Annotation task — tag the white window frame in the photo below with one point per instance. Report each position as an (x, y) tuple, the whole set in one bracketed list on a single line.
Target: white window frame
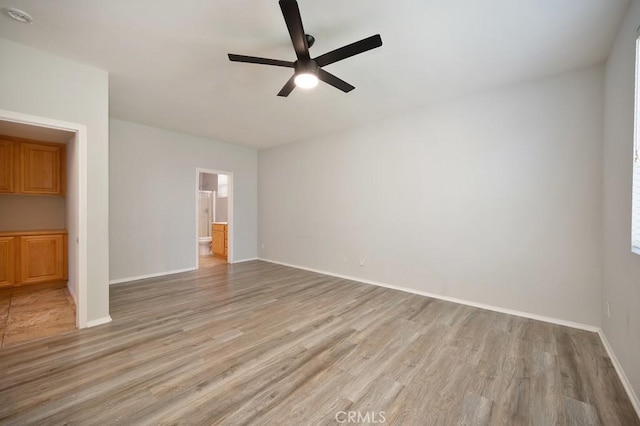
[(635, 209)]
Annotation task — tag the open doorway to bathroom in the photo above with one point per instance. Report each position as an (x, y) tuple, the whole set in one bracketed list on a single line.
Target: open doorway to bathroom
[(213, 222)]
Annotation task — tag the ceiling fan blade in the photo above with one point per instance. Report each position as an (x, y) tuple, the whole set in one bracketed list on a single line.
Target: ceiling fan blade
[(291, 14), (349, 50), (262, 61), (334, 81), (288, 87)]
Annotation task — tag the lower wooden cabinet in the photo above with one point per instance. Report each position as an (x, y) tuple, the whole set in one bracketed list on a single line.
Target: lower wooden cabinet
[(7, 261), (43, 259), (219, 239), (33, 257)]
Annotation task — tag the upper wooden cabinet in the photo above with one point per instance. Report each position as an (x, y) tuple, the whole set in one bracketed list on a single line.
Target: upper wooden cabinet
[(35, 168), (7, 166), (41, 169)]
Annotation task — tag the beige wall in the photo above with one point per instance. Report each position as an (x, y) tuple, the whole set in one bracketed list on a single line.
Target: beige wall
[(31, 213)]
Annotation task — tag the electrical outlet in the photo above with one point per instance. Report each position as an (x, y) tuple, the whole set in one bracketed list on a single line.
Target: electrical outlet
[(262, 245), (362, 262), (608, 309)]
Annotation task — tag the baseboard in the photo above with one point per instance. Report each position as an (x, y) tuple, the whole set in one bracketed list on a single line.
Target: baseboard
[(502, 310), (244, 260), (99, 321), (621, 374), (144, 277)]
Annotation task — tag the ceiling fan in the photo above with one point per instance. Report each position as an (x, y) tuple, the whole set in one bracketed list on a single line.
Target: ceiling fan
[(307, 70)]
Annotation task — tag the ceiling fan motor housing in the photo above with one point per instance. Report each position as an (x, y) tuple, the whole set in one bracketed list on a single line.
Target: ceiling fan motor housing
[(308, 66), (310, 40)]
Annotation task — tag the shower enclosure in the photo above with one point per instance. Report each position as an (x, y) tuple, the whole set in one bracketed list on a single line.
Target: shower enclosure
[(206, 215)]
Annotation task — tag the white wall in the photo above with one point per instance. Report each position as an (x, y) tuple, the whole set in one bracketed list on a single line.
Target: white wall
[(494, 199), (153, 186), (621, 268), (38, 83)]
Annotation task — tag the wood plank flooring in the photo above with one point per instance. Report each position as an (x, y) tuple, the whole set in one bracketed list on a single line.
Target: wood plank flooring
[(35, 311), (257, 343)]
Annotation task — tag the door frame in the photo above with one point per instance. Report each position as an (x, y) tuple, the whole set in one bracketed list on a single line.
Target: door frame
[(230, 221), (80, 140)]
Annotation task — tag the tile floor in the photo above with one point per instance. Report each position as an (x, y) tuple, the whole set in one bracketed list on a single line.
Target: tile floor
[(208, 261), (33, 312)]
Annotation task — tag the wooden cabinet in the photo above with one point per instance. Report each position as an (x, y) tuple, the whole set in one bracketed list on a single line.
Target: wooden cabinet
[(35, 168), (33, 257), (42, 258), (219, 239), (7, 166), (41, 169), (7, 261)]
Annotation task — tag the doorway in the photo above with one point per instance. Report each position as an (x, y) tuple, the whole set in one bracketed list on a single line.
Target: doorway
[(75, 202), (214, 197)]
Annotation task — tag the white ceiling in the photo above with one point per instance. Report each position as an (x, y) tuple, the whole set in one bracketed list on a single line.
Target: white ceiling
[(168, 60)]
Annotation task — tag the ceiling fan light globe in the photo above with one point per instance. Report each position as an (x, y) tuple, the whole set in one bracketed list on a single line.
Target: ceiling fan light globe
[(306, 80)]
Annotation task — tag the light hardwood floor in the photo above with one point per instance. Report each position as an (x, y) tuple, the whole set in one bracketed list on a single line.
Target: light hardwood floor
[(257, 343)]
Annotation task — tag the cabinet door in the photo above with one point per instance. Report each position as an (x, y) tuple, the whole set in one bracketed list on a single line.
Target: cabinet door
[(7, 164), (226, 240), (42, 169), (7, 261), (43, 258), (217, 242)]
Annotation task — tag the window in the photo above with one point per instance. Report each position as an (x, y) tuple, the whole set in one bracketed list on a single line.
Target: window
[(635, 209), (223, 186)]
